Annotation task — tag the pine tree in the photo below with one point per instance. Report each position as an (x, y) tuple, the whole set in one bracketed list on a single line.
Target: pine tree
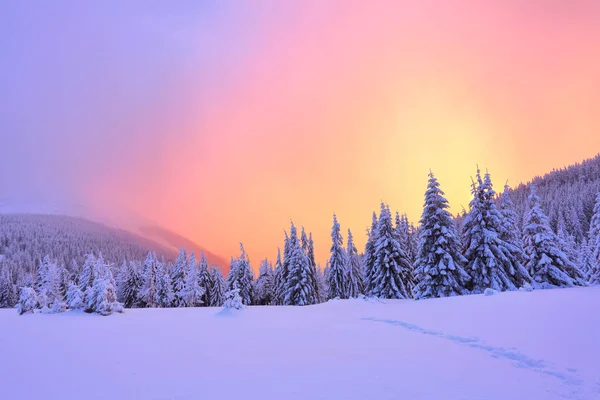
[(279, 280), (241, 274), (313, 266), (439, 265), (104, 299), (75, 297), (132, 283), (193, 291), (204, 279), (179, 277), (147, 294), (27, 301), (7, 289), (370, 258), (299, 289), (265, 284), (594, 243), (337, 264), (86, 276), (322, 284), (354, 271), (164, 296), (391, 262), (217, 288), (585, 260), (547, 264), (491, 261), (48, 284), (509, 233)]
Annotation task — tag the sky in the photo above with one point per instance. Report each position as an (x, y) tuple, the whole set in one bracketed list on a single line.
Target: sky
[(225, 120)]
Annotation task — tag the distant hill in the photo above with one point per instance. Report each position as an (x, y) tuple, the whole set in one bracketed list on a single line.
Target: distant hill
[(568, 195), (26, 238)]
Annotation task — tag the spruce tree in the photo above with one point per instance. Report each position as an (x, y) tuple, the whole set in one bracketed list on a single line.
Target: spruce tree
[(391, 262), (193, 292), (132, 285), (547, 264), (179, 277), (86, 275), (313, 266), (7, 289), (28, 301), (337, 264), (49, 284), (594, 243), (265, 284), (279, 280), (147, 294), (369, 273), (204, 279), (509, 233), (299, 289), (75, 297), (241, 274), (439, 267), (164, 296), (217, 288), (491, 262), (353, 269)]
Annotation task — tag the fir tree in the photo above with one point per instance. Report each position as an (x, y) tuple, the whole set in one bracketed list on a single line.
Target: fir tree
[(337, 264), (509, 233), (104, 299), (265, 284), (204, 279), (241, 274), (299, 289), (491, 261), (86, 276), (217, 288), (233, 300), (313, 266), (391, 262), (439, 265), (585, 260), (164, 296), (353, 270), (147, 294), (7, 289), (132, 284), (48, 284), (179, 277), (547, 264), (370, 258), (279, 280), (594, 243), (27, 301), (193, 291), (75, 297)]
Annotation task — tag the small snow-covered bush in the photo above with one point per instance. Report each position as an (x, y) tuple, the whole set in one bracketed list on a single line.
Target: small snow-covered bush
[(74, 297), (526, 288), (104, 300), (58, 307), (233, 300), (27, 301), (490, 292)]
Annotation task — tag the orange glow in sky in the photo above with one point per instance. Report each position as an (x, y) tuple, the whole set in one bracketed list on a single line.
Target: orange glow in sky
[(315, 107)]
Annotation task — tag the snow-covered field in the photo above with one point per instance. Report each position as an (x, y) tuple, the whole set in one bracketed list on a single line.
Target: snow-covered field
[(519, 345)]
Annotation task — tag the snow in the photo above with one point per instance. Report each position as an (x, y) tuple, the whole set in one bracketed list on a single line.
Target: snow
[(513, 345)]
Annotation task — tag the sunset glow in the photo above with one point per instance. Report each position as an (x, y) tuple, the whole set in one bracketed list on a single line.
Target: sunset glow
[(225, 120)]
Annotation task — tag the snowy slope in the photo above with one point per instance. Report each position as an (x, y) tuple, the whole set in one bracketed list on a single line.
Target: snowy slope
[(539, 345)]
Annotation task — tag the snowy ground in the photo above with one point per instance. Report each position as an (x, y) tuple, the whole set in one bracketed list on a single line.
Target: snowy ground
[(540, 345)]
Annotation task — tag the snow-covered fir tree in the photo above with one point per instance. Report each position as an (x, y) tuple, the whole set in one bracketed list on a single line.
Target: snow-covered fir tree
[(594, 244), (48, 287), (104, 300), (8, 297), (310, 253), (491, 262), (204, 279), (547, 264), (150, 270), (585, 259), (265, 284), (217, 287), (193, 291), (240, 273), (86, 275), (336, 279), (439, 267), (354, 271), (299, 288), (322, 284), (131, 283), (233, 300), (510, 233), (28, 301), (391, 262), (75, 297), (369, 257), (179, 277), (164, 296), (278, 279)]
